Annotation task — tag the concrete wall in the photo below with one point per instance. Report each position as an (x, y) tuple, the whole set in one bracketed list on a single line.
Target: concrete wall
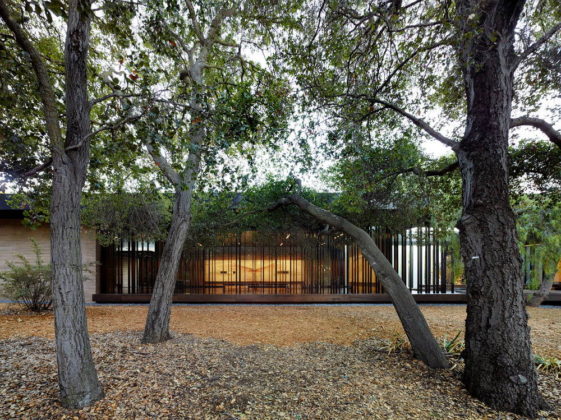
[(15, 239)]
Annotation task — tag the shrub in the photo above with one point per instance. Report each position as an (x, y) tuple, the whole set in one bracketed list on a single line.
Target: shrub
[(548, 364), (29, 283), (396, 344), (454, 347)]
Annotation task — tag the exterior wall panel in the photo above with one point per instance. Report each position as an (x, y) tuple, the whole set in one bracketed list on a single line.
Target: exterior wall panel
[(16, 239)]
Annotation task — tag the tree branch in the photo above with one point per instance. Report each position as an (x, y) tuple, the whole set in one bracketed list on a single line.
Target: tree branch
[(225, 43), (37, 169), (46, 92), (214, 28), (420, 172), (434, 172), (76, 146), (163, 164), (113, 95), (104, 128), (240, 217), (443, 171), (420, 123), (422, 341), (403, 63), (196, 26), (416, 26), (536, 45), (183, 46), (553, 135)]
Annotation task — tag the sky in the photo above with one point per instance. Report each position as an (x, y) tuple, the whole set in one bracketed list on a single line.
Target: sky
[(276, 165)]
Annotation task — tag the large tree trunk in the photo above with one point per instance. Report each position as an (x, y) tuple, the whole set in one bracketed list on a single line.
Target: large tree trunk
[(78, 382), (156, 329), (499, 367), (422, 341)]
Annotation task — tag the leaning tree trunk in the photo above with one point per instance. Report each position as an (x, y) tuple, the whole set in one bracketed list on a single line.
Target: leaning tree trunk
[(540, 295), (422, 341), (156, 329), (78, 382), (499, 368)]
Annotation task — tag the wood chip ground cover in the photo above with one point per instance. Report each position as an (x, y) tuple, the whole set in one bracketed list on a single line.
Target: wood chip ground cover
[(254, 362)]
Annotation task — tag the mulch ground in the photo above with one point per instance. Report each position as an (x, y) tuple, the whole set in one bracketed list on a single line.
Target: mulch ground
[(254, 362)]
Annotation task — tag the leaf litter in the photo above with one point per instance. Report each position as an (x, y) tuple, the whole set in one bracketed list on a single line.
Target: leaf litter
[(198, 377)]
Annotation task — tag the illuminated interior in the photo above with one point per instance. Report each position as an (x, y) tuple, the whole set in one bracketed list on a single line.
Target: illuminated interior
[(292, 263), (254, 275)]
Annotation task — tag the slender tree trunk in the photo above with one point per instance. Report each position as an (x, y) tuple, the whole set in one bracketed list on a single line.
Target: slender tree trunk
[(79, 385), (422, 341), (499, 367), (539, 296), (156, 329)]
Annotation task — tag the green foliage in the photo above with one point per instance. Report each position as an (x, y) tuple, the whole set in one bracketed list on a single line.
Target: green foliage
[(385, 183), (29, 283), (457, 265), (373, 187), (238, 103), (539, 77), (539, 233), (118, 216), (218, 212), (548, 364), (534, 167), (455, 346), (347, 55), (35, 203), (22, 129), (342, 56), (445, 198)]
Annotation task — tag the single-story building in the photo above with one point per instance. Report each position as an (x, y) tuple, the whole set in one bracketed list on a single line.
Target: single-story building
[(251, 266), (16, 239)]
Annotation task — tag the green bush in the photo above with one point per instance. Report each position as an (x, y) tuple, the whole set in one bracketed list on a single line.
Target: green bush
[(548, 364), (29, 283), (454, 347)]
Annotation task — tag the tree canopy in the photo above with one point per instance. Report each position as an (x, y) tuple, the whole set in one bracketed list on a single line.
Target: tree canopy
[(157, 112)]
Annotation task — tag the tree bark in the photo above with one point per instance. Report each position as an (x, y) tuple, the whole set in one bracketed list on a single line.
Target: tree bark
[(422, 341), (537, 298), (78, 382), (79, 385), (156, 329), (499, 366)]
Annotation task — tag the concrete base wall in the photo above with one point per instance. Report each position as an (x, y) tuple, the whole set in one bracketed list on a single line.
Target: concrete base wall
[(15, 239)]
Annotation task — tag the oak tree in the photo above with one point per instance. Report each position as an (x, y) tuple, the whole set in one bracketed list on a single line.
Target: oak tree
[(376, 65), (78, 381)]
